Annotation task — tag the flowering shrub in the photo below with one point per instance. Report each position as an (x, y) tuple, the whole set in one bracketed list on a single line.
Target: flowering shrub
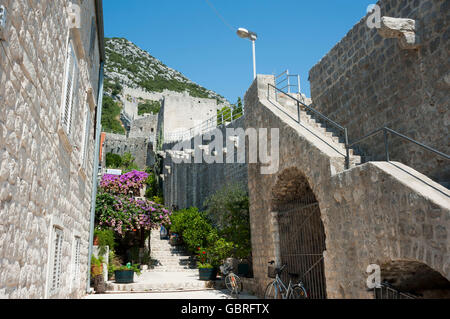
[(127, 184), (126, 214)]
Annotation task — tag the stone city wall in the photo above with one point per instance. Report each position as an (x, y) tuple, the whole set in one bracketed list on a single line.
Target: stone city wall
[(189, 184), (140, 147), (42, 182), (367, 81)]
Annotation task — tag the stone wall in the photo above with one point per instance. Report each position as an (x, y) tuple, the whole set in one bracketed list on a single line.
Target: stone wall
[(181, 113), (366, 82), (145, 127), (42, 182), (140, 147), (374, 213), (190, 184)]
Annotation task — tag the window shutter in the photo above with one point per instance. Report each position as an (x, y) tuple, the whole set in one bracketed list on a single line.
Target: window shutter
[(70, 89), (76, 263), (57, 256)]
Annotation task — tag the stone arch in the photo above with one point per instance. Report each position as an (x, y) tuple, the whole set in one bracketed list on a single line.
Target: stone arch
[(299, 230), (415, 278)]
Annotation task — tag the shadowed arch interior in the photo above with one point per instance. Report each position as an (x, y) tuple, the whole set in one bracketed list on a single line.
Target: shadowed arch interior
[(301, 231), (415, 278)]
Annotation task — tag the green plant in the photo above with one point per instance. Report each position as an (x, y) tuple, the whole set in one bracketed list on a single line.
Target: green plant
[(105, 238), (113, 160), (96, 266), (204, 265), (114, 262), (149, 107), (135, 268), (193, 227), (229, 211), (111, 116)]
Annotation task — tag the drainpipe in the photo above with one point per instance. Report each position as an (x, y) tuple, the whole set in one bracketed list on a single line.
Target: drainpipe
[(95, 173)]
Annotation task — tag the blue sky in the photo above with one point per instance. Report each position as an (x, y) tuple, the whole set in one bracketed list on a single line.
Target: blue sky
[(187, 35)]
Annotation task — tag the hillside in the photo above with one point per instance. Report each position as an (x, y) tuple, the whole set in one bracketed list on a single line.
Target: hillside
[(129, 65)]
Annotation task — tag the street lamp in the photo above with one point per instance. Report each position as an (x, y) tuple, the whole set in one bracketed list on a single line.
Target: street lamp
[(245, 34)]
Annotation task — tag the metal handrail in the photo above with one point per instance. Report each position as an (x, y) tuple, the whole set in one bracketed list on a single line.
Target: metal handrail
[(385, 130)]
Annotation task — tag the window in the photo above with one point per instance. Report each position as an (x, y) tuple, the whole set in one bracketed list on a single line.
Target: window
[(57, 256), (76, 261), (87, 130), (70, 88)]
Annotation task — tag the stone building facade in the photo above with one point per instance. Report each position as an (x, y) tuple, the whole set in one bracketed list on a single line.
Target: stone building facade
[(50, 63), (369, 81)]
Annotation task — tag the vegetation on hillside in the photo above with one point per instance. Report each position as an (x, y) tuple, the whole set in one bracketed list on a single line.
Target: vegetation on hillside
[(111, 116), (142, 70), (149, 107)]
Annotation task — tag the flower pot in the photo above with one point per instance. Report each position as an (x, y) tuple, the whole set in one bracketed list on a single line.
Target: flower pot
[(124, 276), (206, 274)]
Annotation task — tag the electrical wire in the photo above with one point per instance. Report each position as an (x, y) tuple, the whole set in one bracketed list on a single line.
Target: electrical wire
[(221, 17)]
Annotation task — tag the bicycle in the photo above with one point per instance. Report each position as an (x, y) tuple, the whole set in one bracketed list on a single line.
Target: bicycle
[(278, 290), (232, 281)]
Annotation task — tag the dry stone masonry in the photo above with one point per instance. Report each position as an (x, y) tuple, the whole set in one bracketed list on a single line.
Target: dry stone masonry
[(44, 182)]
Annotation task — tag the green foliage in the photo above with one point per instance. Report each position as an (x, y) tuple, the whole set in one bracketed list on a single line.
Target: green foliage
[(230, 113), (192, 225), (111, 116), (105, 238), (135, 268), (113, 160), (113, 87), (114, 262), (125, 163), (128, 163), (228, 209), (204, 265), (149, 107)]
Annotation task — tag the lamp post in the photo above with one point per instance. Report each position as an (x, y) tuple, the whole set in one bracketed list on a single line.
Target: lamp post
[(245, 34)]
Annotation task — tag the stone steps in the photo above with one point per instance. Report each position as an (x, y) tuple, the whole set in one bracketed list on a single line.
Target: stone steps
[(320, 129)]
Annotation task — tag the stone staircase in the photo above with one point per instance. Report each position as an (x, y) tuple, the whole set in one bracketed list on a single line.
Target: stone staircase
[(318, 127), (168, 258), (173, 270)]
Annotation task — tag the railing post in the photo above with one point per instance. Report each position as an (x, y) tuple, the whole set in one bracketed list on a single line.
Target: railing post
[(299, 111), (347, 150), (386, 144), (288, 82)]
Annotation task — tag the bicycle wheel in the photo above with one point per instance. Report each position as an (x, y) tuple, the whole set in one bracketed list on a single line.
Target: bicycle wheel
[(298, 292), (233, 283), (273, 291)]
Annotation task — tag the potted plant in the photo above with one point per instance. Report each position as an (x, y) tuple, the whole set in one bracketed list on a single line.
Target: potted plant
[(96, 266), (207, 271), (125, 274), (97, 274)]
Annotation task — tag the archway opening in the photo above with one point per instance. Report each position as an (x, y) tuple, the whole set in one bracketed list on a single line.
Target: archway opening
[(411, 279), (301, 231)]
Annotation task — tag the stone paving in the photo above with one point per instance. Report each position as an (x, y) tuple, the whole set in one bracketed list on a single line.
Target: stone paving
[(201, 294)]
